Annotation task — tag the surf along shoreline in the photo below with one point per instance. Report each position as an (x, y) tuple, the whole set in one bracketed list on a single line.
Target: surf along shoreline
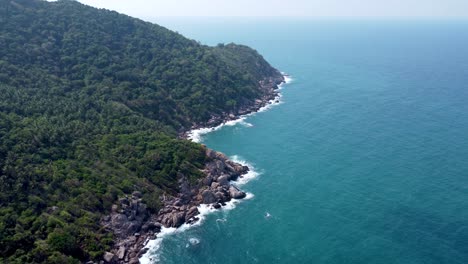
[(138, 233)]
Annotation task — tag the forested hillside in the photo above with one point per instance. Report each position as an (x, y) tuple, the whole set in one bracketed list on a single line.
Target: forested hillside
[(91, 102)]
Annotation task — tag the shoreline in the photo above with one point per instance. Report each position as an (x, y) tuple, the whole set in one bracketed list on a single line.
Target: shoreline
[(153, 246), (271, 96), (196, 133), (137, 230)]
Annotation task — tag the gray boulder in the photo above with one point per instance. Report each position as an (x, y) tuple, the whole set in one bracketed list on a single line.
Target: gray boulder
[(208, 197), (223, 180), (214, 185), (121, 252), (192, 212), (134, 261), (208, 180), (137, 194), (109, 257), (236, 193), (220, 196), (174, 219)]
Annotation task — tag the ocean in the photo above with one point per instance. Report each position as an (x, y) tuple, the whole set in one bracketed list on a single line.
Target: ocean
[(365, 160)]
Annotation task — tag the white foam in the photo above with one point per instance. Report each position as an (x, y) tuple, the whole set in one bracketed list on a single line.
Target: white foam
[(152, 255), (193, 241), (196, 135), (252, 174), (274, 102), (287, 79), (246, 124)]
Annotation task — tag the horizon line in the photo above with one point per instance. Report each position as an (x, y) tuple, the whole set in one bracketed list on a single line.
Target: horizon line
[(421, 18)]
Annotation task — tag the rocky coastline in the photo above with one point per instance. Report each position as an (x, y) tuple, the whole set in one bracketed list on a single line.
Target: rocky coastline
[(131, 222), (269, 93)]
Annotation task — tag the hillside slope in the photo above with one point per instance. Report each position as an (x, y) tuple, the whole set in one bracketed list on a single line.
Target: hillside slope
[(91, 102)]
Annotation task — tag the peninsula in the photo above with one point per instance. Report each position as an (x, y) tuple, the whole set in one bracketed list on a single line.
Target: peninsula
[(94, 108)]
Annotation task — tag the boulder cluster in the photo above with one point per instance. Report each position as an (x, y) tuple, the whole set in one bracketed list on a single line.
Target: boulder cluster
[(215, 189), (130, 220), (268, 89), (133, 225)]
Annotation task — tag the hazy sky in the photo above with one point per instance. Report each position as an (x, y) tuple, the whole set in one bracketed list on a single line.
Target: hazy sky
[(308, 8)]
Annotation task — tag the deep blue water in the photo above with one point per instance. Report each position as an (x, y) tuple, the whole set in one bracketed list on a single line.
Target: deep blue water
[(366, 161)]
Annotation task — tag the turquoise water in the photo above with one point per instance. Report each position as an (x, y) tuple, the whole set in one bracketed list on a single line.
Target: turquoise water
[(366, 159)]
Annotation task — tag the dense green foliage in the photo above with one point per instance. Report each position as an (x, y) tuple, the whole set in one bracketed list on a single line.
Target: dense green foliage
[(90, 105)]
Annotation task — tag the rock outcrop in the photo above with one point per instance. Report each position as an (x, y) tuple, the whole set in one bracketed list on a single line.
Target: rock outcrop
[(214, 189), (131, 222), (127, 217), (268, 89)]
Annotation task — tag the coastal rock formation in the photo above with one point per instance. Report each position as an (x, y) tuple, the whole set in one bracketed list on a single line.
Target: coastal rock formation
[(269, 93), (133, 226), (236, 193), (214, 189), (109, 257), (90, 103), (127, 217)]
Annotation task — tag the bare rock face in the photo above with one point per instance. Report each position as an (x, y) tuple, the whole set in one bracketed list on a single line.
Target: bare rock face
[(236, 193), (128, 219), (208, 197), (151, 226), (211, 153), (109, 257), (222, 171), (214, 185), (223, 180), (121, 252), (132, 224), (192, 212), (221, 196), (208, 180), (177, 219), (171, 219), (215, 189)]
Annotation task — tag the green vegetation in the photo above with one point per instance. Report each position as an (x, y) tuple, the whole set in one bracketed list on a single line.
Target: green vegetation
[(91, 102)]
